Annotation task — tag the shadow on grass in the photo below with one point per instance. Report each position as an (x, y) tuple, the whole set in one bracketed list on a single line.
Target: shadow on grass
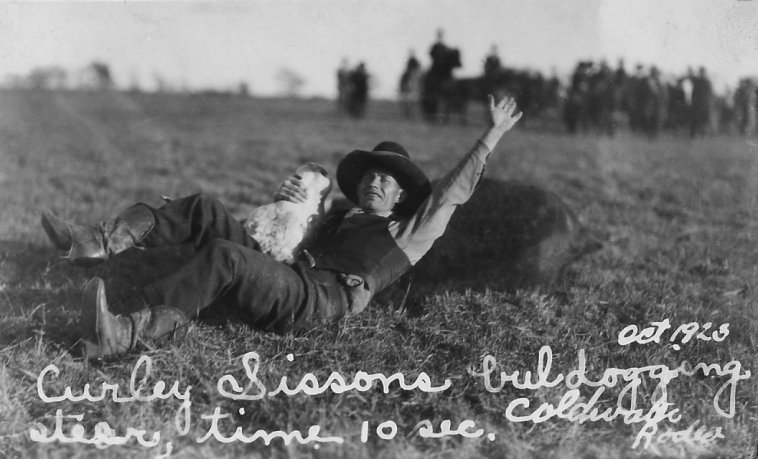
[(40, 292), (510, 235), (36, 293)]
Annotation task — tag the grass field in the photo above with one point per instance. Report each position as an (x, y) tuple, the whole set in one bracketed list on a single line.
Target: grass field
[(678, 218)]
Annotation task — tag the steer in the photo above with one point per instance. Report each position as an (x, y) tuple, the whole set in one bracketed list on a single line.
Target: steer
[(282, 228)]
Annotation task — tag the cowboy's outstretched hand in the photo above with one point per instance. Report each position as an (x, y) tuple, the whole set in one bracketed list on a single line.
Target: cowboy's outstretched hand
[(505, 114)]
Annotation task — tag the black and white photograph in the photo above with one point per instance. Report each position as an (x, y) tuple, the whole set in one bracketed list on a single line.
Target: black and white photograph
[(379, 229)]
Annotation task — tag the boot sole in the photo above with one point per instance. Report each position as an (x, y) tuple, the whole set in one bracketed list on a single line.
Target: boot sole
[(54, 228), (93, 299), (110, 340)]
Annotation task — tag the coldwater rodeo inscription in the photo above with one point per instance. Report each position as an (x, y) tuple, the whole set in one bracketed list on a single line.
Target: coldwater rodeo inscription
[(571, 406)]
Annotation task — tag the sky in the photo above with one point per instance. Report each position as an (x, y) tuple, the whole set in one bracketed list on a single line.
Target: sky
[(217, 45)]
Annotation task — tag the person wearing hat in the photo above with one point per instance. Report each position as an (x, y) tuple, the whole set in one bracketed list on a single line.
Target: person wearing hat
[(396, 219)]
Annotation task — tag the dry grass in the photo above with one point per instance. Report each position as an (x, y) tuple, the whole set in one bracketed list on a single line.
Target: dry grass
[(679, 218)]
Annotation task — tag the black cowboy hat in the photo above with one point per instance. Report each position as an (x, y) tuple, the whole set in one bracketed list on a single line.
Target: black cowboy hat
[(389, 156)]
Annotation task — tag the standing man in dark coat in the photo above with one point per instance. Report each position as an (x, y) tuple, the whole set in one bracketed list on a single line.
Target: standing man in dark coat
[(492, 72), (343, 86), (359, 83), (746, 104), (410, 85), (702, 101)]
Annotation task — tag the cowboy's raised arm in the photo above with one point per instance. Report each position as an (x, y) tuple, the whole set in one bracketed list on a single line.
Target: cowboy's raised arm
[(457, 186)]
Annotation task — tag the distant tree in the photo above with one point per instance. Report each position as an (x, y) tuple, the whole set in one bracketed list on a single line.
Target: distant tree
[(290, 81), (13, 81), (102, 73), (162, 85), (51, 77), (134, 83), (38, 79), (58, 77), (243, 89)]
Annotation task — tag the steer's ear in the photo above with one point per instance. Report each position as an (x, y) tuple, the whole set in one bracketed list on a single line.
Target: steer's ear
[(326, 190), (401, 197)]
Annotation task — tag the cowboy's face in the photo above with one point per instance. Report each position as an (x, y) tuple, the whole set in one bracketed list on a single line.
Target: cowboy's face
[(379, 191)]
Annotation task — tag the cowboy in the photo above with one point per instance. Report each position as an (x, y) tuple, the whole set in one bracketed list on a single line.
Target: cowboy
[(397, 218)]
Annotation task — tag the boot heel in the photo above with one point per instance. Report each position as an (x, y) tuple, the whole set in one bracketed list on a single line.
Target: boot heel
[(87, 246)]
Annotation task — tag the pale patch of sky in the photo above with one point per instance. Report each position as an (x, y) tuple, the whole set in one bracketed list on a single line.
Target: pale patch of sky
[(678, 34), (220, 44)]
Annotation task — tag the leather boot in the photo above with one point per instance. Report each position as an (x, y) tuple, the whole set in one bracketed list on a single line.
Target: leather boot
[(120, 334), (93, 244)]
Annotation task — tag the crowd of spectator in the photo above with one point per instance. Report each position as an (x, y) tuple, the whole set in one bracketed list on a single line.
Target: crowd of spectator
[(595, 98), (601, 99)]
